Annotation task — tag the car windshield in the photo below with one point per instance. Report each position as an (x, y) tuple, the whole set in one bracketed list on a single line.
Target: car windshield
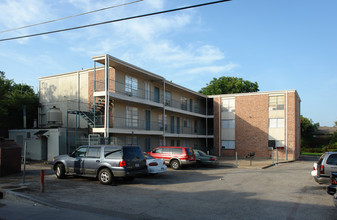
[(132, 152), (148, 156), (201, 153)]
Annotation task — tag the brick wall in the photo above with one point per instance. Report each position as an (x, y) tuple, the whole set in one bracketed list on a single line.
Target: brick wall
[(251, 125)]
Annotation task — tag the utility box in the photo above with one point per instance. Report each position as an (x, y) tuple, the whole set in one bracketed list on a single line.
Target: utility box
[(10, 157)]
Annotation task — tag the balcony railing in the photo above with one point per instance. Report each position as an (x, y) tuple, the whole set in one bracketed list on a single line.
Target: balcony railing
[(158, 97)]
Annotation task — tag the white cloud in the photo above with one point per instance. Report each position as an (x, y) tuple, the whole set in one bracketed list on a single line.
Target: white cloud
[(212, 69)]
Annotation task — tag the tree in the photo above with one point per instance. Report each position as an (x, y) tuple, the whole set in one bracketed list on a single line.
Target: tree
[(308, 126), (229, 85), (13, 99)]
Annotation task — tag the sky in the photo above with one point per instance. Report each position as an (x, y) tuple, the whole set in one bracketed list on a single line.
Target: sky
[(280, 45)]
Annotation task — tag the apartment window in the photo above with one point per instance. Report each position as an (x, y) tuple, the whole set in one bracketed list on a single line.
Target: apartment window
[(160, 122), (131, 117), (276, 103), (183, 101), (178, 143), (186, 143), (228, 144), (168, 98), (147, 91), (276, 122), (275, 143), (228, 105), (228, 123), (131, 86), (186, 123)]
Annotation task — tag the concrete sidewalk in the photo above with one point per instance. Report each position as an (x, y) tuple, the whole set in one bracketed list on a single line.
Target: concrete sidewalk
[(247, 163)]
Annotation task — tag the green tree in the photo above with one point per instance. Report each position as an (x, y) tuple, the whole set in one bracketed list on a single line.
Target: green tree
[(229, 85), (13, 99), (307, 128)]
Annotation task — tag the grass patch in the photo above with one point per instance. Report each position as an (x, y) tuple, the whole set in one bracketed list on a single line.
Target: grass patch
[(311, 154)]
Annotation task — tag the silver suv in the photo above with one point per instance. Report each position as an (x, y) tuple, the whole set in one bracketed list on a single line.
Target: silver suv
[(103, 162), (326, 164)]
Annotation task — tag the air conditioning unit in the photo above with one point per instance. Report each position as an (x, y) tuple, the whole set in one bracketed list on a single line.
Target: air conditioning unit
[(128, 93), (167, 102)]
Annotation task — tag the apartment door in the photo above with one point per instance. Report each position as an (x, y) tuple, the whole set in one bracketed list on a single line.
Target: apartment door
[(147, 120), (178, 125), (44, 148), (156, 94), (172, 124)]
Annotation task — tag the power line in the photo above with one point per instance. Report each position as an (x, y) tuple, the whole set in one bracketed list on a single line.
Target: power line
[(71, 16), (116, 20)]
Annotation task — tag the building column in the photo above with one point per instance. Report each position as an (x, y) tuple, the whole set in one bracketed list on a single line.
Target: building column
[(106, 111)]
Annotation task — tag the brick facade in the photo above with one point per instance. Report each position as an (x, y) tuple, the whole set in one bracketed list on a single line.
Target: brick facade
[(252, 125)]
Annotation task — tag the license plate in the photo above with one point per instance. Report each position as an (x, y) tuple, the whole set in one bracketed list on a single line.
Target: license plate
[(137, 165)]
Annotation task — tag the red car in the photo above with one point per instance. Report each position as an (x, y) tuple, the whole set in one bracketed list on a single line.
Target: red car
[(176, 157)]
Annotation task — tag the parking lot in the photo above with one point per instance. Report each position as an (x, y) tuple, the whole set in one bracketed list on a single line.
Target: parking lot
[(286, 191)]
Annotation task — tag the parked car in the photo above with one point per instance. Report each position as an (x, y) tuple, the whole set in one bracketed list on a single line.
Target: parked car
[(314, 170), (103, 162), (176, 157), (154, 165), (326, 164), (331, 190), (205, 159)]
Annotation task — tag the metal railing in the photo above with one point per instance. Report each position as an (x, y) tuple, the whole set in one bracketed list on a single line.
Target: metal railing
[(158, 97)]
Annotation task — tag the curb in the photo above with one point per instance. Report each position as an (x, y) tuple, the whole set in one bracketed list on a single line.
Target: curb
[(15, 196)]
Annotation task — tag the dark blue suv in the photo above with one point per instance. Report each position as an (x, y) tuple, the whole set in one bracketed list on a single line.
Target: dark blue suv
[(103, 162)]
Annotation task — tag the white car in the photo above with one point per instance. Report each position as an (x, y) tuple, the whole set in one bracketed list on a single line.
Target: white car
[(155, 165), (314, 170)]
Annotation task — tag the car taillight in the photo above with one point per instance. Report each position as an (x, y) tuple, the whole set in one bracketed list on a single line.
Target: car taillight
[(153, 164), (333, 180), (314, 168), (211, 159), (122, 163), (322, 169)]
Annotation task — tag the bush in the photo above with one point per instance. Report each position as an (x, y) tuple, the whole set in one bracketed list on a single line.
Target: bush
[(330, 147), (312, 150)]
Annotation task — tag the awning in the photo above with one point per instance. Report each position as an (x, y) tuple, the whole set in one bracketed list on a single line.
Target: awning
[(41, 132)]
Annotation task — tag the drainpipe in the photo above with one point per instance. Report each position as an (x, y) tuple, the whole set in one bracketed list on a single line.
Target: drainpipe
[(164, 111), (219, 127), (106, 112), (207, 123), (286, 140)]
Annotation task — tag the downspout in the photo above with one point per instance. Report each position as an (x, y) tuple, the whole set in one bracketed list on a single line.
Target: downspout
[(164, 111), (106, 110), (286, 125), (207, 124), (219, 127)]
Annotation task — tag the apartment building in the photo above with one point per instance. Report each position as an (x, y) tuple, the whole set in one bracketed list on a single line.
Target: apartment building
[(265, 123), (116, 102), (125, 105)]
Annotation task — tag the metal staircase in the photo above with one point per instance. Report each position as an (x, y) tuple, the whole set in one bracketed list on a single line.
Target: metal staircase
[(94, 117)]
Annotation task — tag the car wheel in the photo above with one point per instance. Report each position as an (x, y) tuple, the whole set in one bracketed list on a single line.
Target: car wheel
[(105, 176), (335, 199), (175, 164), (60, 171)]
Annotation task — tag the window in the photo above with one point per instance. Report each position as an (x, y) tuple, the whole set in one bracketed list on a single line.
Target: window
[(276, 103), (228, 144), (158, 150), (228, 105), (168, 98), (94, 152), (160, 122), (186, 123), (131, 86), (183, 101), (147, 91), (166, 150), (112, 153), (177, 151), (131, 117), (332, 160), (178, 143), (172, 142), (228, 123), (276, 122), (81, 152)]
